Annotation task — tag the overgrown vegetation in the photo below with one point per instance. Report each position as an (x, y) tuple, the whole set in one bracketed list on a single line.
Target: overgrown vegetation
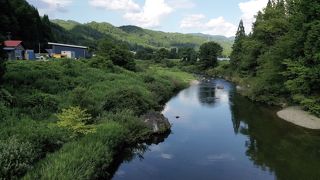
[(82, 111)]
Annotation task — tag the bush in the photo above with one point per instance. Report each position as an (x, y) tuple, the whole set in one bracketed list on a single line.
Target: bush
[(76, 120), (16, 157), (134, 98), (137, 130), (85, 99), (101, 63), (43, 136)]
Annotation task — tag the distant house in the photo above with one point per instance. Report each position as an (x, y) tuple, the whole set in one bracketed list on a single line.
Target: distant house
[(67, 50), (14, 49)]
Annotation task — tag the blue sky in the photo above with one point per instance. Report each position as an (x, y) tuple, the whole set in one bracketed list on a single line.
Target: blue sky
[(216, 17)]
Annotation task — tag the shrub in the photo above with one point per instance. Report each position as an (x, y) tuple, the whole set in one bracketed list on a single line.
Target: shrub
[(16, 157), (43, 136), (101, 63), (134, 98), (76, 120), (137, 130)]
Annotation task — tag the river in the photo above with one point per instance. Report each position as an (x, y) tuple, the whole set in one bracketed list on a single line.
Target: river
[(222, 135)]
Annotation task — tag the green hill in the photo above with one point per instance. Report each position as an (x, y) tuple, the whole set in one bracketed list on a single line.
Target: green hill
[(89, 33)]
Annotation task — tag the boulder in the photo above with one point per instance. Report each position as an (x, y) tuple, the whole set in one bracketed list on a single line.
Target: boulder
[(156, 122)]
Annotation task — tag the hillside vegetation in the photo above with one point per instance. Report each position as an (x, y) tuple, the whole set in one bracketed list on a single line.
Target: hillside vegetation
[(135, 36)]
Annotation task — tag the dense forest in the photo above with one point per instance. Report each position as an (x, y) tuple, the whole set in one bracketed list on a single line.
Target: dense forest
[(279, 60), (20, 20)]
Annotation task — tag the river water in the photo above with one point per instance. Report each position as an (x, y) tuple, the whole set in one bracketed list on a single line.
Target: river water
[(222, 135)]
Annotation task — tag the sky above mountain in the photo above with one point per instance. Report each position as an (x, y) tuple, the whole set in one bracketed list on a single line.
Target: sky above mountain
[(215, 17)]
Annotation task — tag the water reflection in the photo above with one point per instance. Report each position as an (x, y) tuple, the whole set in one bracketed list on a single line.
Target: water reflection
[(207, 93), (222, 135), (135, 152), (288, 151)]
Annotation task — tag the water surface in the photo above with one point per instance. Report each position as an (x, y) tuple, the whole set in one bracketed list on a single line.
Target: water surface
[(222, 135)]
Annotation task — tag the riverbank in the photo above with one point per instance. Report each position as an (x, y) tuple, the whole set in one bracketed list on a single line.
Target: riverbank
[(67, 119), (298, 116)]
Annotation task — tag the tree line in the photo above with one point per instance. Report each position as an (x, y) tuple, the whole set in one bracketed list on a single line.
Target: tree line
[(280, 58), (205, 58)]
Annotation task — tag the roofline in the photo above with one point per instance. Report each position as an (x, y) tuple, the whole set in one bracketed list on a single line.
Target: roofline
[(67, 45)]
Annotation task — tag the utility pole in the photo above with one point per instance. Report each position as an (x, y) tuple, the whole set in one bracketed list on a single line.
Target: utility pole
[(9, 35), (39, 49)]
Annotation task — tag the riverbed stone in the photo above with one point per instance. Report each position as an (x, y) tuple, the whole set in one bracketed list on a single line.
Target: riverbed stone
[(298, 116), (156, 122)]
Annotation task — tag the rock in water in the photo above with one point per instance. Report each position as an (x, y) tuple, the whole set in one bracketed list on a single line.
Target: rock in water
[(156, 122), (220, 87)]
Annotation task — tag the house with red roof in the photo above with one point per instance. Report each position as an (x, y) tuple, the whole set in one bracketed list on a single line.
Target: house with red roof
[(14, 49)]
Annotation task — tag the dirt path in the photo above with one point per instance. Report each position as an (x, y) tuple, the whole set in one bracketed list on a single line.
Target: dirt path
[(299, 117)]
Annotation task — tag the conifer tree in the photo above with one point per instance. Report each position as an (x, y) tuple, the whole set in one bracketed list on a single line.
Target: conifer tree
[(238, 46)]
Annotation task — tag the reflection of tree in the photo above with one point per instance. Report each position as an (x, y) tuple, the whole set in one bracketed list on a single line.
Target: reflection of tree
[(132, 152), (290, 152), (207, 94)]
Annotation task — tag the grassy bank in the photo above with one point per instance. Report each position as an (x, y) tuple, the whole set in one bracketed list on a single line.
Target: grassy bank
[(68, 119)]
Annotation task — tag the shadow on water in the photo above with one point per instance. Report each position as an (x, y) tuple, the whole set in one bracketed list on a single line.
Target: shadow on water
[(135, 152), (223, 135)]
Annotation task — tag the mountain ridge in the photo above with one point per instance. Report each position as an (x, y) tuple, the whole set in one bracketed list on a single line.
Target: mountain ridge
[(137, 36)]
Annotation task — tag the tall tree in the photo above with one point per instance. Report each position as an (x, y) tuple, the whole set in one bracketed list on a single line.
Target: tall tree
[(117, 52), (237, 48), (208, 54), (162, 54)]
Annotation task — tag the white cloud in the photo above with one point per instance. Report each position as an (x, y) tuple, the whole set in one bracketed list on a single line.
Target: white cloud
[(151, 14), (249, 9), (117, 5), (192, 21), (51, 6), (166, 156), (181, 4), (216, 26)]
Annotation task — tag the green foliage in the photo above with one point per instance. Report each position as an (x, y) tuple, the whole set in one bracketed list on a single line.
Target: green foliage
[(16, 157), (135, 98), (188, 55), (23, 142), (280, 59), (161, 55), (20, 18), (208, 54), (76, 120), (237, 48), (101, 63), (119, 54), (87, 158), (144, 54), (33, 92)]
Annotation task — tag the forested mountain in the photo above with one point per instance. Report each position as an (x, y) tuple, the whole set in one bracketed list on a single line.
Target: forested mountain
[(280, 59), (136, 36), (22, 21)]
